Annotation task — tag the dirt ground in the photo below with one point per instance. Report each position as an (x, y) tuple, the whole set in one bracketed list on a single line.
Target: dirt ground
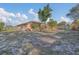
[(39, 43)]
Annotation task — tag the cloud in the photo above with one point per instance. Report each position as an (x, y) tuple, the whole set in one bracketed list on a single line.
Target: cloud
[(10, 18), (24, 16), (31, 11), (3, 19), (18, 15), (5, 13), (5, 16), (64, 19), (21, 18)]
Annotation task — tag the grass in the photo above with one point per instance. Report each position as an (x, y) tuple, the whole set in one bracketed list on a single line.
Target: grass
[(9, 30)]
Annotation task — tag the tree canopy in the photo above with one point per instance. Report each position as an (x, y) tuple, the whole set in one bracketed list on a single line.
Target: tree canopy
[(74, 13), (52, 23), (44, 13)]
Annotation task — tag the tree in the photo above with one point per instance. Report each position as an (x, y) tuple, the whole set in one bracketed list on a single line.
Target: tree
[(63, 25), (74, 13), (44, 13), (75, 25), (1, 26), (52, 24), (77, 21)]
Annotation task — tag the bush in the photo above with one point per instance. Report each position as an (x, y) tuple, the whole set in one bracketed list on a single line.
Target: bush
[(1, 26), (52, 24), (36, 26), (75, 25)]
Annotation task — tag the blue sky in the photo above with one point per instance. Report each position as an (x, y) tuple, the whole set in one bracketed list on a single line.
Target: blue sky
[(30, 9)]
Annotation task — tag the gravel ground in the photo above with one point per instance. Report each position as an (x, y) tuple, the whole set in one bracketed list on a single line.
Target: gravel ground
[(39, 43)]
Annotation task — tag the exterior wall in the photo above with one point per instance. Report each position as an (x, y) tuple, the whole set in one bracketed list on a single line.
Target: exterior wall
[(24, 27), (38, 27), (28, 27)]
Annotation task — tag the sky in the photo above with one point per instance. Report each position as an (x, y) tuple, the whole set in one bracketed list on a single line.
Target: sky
[(17, 13)]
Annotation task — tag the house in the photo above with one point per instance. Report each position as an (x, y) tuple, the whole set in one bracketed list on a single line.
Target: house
[(28, 26), (33, 26), (63, 25)]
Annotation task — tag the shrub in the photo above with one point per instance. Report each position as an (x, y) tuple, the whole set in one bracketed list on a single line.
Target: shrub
[(1, 26), (52, 24), (36, 26), (75, 25)]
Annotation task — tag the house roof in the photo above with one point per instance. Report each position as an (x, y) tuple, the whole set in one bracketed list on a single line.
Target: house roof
[(29, 23)]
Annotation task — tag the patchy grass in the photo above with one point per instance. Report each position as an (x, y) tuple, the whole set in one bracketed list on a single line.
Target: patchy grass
[(9, 30)]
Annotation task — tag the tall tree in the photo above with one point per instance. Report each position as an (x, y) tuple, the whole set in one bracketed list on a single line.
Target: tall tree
[(44, 13), (74, 13)]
